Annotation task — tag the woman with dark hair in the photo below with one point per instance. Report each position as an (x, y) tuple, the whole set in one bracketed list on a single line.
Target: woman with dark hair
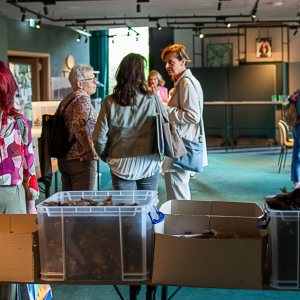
[(125, 132), (18, 183)]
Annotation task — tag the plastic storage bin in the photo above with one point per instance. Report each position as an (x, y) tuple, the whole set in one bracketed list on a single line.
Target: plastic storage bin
[(97, 242), (284, 251), (40, 108)]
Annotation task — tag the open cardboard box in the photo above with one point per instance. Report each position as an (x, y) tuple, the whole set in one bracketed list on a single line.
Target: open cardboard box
[(216, 208), (19, 260), (210, 263)]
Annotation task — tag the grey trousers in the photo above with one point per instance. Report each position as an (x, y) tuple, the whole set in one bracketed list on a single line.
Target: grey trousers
[(177, 185), (77, 175)]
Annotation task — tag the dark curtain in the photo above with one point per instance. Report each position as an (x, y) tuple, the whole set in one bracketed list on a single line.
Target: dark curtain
[(99, 60)]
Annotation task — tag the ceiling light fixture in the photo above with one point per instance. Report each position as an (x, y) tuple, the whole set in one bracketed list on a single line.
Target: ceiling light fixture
[(79, 38), (254, 11), (23, 10), (201, 35), (295, 32), (298, 12), (46, 12), (84, 28), (158, 26), (38, 24), (220, 6), (138, 8), (86, 40), (228, 25)]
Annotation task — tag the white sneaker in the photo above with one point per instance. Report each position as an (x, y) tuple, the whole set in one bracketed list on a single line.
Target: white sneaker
[(295, 185), (192, 175)]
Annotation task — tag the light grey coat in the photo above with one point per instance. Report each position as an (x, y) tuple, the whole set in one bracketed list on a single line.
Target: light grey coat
[(126, 131), (188, 115)]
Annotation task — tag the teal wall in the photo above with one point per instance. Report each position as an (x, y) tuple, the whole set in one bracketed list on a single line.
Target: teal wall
[(3, 38), (58, 41)]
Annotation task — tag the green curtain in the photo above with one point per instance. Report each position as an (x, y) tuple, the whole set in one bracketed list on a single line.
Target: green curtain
[(99, 60)]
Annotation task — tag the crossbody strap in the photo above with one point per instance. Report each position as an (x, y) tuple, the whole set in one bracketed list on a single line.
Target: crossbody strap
[(201, 132)]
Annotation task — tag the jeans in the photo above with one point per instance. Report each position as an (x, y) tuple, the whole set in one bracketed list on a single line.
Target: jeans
[(295, 168), (149, 183)]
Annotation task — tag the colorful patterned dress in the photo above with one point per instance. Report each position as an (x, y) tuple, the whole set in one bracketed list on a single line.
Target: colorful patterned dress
[(17, 167)]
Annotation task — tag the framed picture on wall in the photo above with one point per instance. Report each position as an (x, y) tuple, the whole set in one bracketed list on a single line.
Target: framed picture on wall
[(263, 47), (219, 55)]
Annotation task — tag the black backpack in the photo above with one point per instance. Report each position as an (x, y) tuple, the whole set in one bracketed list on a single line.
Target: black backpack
[(58, 136)]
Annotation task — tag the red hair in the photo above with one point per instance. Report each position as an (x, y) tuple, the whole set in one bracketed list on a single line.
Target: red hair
[(8, 87)]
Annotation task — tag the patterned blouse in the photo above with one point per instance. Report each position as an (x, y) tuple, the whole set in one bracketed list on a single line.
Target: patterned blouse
[(17, 156), (80, 118)]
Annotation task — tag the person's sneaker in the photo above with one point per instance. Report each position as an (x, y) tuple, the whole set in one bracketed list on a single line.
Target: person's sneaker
[(192, 175), (295, 185)]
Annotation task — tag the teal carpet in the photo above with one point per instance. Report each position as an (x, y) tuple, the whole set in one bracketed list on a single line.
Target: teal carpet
[(229, 177)]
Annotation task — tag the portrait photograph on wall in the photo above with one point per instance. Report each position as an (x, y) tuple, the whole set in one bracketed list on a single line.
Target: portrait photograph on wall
[(219, 55), (263, 47)]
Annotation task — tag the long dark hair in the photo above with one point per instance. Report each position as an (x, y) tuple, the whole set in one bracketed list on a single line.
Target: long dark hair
[(130, 78), (8, 88)]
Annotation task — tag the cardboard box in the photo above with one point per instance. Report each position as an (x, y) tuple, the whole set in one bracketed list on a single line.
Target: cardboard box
[(19, 260), (216, 208), (209, 263)]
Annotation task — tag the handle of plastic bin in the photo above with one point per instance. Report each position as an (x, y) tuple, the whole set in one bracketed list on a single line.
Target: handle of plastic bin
[(263, 218), (161, 216)]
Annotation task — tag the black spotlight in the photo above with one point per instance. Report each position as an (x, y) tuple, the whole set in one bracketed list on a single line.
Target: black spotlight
[(138, 8), (295, 32), (84, 28), (38, 24), (23, 18), (79, 38), (46, 12), (158, 26), (86, 40), (220, 6)]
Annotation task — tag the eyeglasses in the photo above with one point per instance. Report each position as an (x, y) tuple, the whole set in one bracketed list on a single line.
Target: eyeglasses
[(91, 79)]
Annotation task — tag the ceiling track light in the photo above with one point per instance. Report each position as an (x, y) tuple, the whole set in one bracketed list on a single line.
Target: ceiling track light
[(298, 12), (254, 11), (84, 28), (23, 10), (46, 12), (38, 24), (220, 6), (138, 8), (79, 38), (158, 26), (295, 32), (228, 25), (86, 40), (201, 35)]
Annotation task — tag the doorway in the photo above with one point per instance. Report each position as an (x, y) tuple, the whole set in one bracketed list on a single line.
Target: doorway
[(40, 71)]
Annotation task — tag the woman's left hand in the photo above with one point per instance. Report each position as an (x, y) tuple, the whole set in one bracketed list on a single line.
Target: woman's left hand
[(90, 155), (31, 209)]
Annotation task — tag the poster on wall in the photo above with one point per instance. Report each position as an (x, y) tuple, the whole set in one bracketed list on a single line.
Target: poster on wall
[(219, 55), (263, 47)]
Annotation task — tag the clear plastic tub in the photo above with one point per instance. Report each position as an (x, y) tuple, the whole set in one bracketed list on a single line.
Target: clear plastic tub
[(39, 108), (101, 243), (284, 251)]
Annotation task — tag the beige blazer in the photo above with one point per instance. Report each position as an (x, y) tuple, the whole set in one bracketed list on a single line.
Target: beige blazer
[(191, 101)]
